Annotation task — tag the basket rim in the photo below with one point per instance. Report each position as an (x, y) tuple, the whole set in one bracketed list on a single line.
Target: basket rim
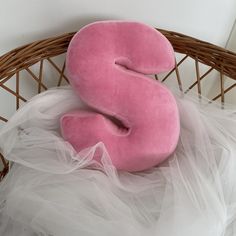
[(53, 39), (221, 59)]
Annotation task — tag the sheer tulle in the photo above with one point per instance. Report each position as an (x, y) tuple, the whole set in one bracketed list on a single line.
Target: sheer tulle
[(51, 190)]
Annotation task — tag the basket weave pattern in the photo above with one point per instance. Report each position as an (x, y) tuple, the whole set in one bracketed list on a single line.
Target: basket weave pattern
[(39, 52)]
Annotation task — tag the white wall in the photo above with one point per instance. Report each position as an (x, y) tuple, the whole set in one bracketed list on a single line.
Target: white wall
[(23, 21), (231, 44)]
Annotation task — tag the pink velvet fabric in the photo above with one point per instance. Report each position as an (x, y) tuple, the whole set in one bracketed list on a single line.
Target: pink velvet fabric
[(106, 64)]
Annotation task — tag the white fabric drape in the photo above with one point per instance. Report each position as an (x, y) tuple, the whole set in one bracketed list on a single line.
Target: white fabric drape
[(50, 192)]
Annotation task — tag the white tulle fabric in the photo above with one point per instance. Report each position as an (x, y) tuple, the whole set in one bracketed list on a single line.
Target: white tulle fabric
[(52, 190)]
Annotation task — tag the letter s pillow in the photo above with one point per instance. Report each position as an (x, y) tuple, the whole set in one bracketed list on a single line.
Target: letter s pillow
[(107, 63)]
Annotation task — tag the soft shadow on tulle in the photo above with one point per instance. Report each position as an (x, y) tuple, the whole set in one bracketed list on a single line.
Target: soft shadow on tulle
[(52, 190)]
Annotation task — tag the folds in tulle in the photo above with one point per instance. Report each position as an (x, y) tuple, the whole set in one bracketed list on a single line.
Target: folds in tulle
[(52, 190)]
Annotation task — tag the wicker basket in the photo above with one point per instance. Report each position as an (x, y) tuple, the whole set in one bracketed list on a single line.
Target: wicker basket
[(33, 58)]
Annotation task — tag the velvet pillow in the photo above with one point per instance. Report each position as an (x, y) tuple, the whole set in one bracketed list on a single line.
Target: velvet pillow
[(135, 116)]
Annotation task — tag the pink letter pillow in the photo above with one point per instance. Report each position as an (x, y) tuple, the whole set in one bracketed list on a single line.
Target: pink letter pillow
[(135, 116)]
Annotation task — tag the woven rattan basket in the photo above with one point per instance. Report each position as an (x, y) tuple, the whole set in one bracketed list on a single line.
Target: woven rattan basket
[(32, 59)]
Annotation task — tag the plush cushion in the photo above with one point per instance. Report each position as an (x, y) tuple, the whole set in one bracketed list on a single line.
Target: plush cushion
[(107, 63)]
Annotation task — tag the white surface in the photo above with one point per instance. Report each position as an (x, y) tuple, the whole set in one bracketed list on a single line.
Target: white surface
[(27, 20), (231, 44)]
